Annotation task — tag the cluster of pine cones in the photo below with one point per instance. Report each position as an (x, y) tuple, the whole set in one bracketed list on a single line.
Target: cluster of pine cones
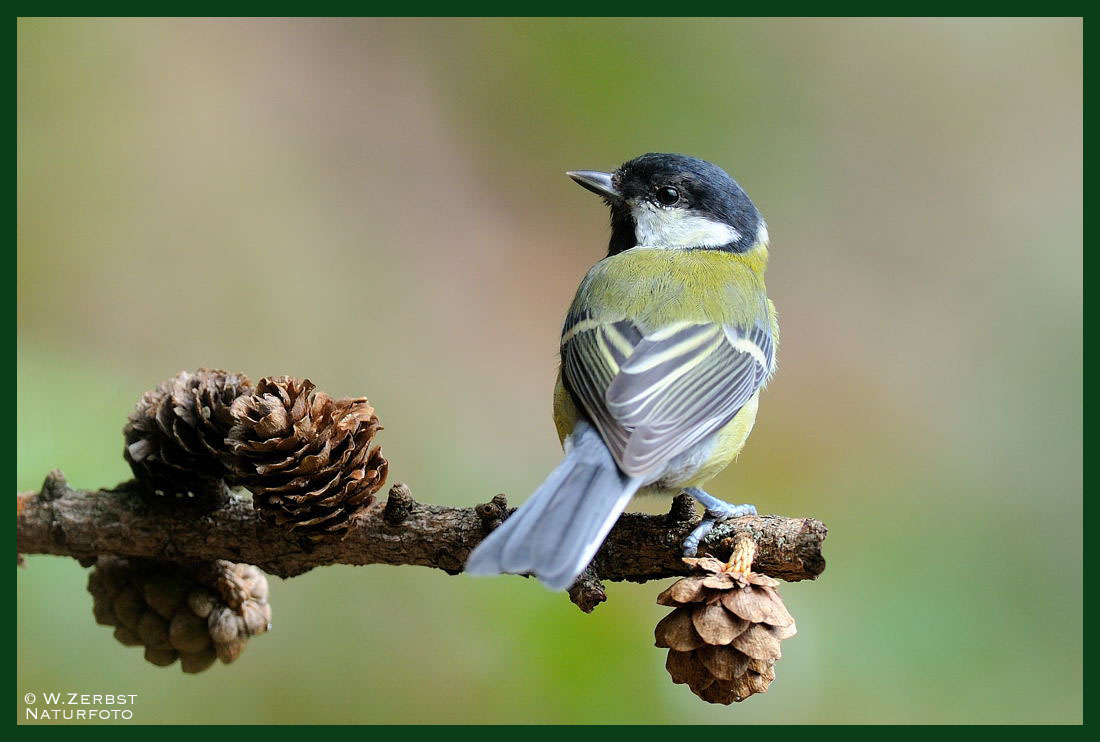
[(307, 458), (195, 614), (308, 461)]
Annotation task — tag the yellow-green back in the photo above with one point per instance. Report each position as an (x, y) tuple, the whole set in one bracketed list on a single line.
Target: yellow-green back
[(656, 287)]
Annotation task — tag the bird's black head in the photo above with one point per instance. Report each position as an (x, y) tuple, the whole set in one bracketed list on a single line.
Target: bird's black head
[(675, 202)]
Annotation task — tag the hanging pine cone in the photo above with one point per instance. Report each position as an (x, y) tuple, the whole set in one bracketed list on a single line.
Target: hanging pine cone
[(723, 636), (306, 458), (175, 438), (193, 614)]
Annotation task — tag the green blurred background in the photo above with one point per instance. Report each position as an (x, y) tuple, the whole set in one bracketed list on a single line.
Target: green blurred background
[(380, 205)]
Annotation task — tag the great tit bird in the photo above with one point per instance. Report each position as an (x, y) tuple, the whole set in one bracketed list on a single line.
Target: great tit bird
[(663, 354)]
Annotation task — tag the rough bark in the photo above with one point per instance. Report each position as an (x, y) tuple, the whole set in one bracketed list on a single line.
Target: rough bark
[(123, 522)]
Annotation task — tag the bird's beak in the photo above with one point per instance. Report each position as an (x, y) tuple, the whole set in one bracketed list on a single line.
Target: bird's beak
[(595, 181)]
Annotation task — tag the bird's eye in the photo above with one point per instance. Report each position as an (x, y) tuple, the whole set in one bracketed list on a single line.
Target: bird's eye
[(668, 195)]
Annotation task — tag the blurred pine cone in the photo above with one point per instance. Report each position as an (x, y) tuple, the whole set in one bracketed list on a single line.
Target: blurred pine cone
[(175, 438), (306, 458), (193, 614), (723, 636)]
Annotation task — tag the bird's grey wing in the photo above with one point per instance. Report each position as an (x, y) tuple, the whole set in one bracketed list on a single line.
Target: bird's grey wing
[(592, 353), (654, 395)]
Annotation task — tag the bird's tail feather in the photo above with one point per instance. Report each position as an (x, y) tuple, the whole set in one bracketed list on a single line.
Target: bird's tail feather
[(555, 534)]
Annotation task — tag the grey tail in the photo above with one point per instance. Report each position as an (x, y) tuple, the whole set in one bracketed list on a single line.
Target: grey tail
[(555, 534)]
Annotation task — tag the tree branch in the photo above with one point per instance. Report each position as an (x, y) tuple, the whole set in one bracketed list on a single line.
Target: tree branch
[(124, 522)]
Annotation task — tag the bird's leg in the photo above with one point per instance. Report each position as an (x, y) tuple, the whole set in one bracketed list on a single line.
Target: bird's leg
[(716, 512)]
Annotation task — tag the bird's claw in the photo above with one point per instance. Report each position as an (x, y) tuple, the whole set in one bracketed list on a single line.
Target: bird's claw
[(717, 511)]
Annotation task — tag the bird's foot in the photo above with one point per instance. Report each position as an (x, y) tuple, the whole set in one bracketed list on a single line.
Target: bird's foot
[(717, 511)]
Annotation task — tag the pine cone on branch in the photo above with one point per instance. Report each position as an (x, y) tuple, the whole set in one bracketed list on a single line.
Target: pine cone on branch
[(306, 458), (175, 438), (193, 614), (723, 636)]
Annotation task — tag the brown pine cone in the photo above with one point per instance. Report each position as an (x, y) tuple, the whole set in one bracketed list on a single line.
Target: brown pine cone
[(306, 458), (723, 636), (175, 438), (193, 614)]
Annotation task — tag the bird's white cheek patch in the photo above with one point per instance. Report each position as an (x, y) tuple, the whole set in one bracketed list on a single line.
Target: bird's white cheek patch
[(657, 227)]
